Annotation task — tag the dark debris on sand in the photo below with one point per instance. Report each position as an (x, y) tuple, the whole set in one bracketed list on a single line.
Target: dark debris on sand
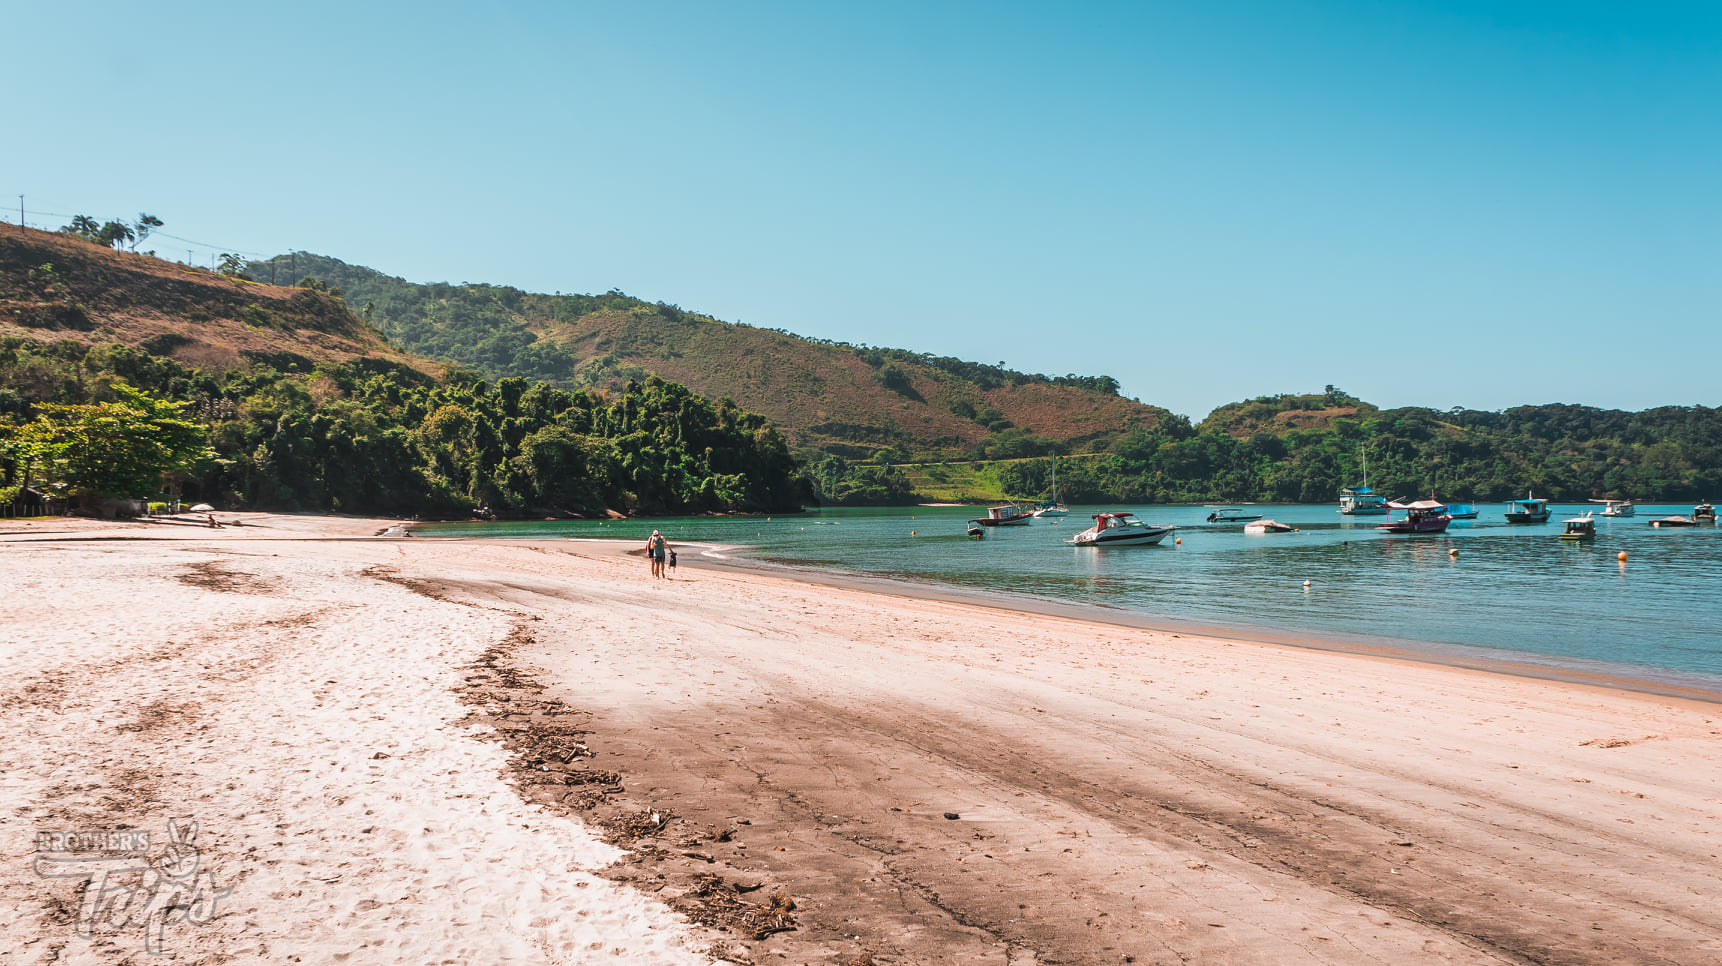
[(549, 762)]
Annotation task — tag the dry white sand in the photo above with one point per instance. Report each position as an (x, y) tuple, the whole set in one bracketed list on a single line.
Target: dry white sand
[(1122, 795)]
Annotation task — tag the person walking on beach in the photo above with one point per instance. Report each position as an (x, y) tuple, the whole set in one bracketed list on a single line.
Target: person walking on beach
[(655, 548)]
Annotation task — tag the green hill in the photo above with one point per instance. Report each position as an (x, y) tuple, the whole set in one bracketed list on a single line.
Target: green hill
[(849, 400)]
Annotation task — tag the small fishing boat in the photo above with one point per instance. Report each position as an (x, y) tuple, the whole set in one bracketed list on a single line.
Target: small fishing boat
[(977, 532), (1271, 526), (1424, 516), (1617, 508), (1528, 510), (1582, 527), (1231, 514), (1005, 515), (1675, 522), (1118, 530), (1704, 513)]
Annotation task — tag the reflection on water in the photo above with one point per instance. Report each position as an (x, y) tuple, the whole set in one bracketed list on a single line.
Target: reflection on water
[(1511, 587)]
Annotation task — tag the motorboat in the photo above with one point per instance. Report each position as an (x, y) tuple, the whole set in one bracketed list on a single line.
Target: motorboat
[(1271, 526), (1424, 516), (1617, 508), (1361, 500), (1582, 527), (1005, 515), (1118, 530), (1528, 510), (1675, 522), (1231, 514), (977, 532), (1704, 513)]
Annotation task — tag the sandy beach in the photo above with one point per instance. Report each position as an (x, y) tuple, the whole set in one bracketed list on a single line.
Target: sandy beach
[(424, 750)]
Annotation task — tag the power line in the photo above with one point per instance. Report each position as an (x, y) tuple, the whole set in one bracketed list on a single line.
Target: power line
[(153, 234)]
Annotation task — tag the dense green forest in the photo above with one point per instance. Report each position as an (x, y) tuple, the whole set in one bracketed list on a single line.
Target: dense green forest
[(1562, 452), (377, 437)]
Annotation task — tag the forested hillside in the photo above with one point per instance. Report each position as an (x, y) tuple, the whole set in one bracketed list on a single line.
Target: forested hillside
[(848, 400), (1304, 448), (303, 405)]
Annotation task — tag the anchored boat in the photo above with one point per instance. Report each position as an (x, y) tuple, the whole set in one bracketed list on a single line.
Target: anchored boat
[(1118, 530), (1582, 527), (1528, 510), (1424, 516), (1005, 515)]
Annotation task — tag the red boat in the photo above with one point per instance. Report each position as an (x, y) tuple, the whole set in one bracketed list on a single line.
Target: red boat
[(1424, 516)]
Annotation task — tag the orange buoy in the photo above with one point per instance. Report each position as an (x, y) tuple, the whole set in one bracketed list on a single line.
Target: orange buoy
[(1454, 552), (1622, 555), (911, 533), (1177, 539)]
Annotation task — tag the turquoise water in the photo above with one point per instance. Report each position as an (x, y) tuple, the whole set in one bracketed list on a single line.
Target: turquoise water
[(1514, 591)]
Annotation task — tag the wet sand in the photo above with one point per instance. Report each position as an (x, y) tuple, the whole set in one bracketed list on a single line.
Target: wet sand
[(835, 774)]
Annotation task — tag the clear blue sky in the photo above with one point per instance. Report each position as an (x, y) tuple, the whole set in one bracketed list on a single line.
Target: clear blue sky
[(1424, 203)]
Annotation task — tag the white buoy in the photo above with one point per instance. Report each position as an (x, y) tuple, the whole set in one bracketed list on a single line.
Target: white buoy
[(1306, 583)]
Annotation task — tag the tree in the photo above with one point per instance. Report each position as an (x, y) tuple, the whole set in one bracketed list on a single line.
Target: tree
[(82, 226), (145, 224), (119, 449), (231, 265), (115, 234)]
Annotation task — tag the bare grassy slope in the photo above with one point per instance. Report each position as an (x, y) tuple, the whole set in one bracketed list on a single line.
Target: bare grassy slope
[(56, 287)]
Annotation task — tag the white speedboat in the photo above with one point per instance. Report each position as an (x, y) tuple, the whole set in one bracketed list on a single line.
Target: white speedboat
[(1617, 508), (1269, 526), (1231, 514), (1120, 529)]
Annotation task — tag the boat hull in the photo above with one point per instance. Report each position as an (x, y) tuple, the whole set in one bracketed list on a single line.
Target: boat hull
[(1528, 517), (1419, 526)]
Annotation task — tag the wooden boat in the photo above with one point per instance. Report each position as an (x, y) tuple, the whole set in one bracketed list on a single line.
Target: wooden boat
[(1120, 530), (1424, 516), (1271, 526), (1230, 514), (1528, 510), (1704, 513), (1581, 527), (1005, 515), (1675, 522), (1617, 508)]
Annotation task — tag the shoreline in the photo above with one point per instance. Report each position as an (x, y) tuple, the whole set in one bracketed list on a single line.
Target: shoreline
[(1664, 682), (748, 767)]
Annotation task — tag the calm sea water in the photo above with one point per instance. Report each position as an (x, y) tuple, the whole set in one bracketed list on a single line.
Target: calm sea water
[(1512, 591)]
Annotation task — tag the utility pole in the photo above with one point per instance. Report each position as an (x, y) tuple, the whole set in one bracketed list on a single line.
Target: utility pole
[(20, 214), (293, 268)]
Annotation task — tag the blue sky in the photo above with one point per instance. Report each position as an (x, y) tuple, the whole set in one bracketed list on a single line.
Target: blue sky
[(1439, 204)]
